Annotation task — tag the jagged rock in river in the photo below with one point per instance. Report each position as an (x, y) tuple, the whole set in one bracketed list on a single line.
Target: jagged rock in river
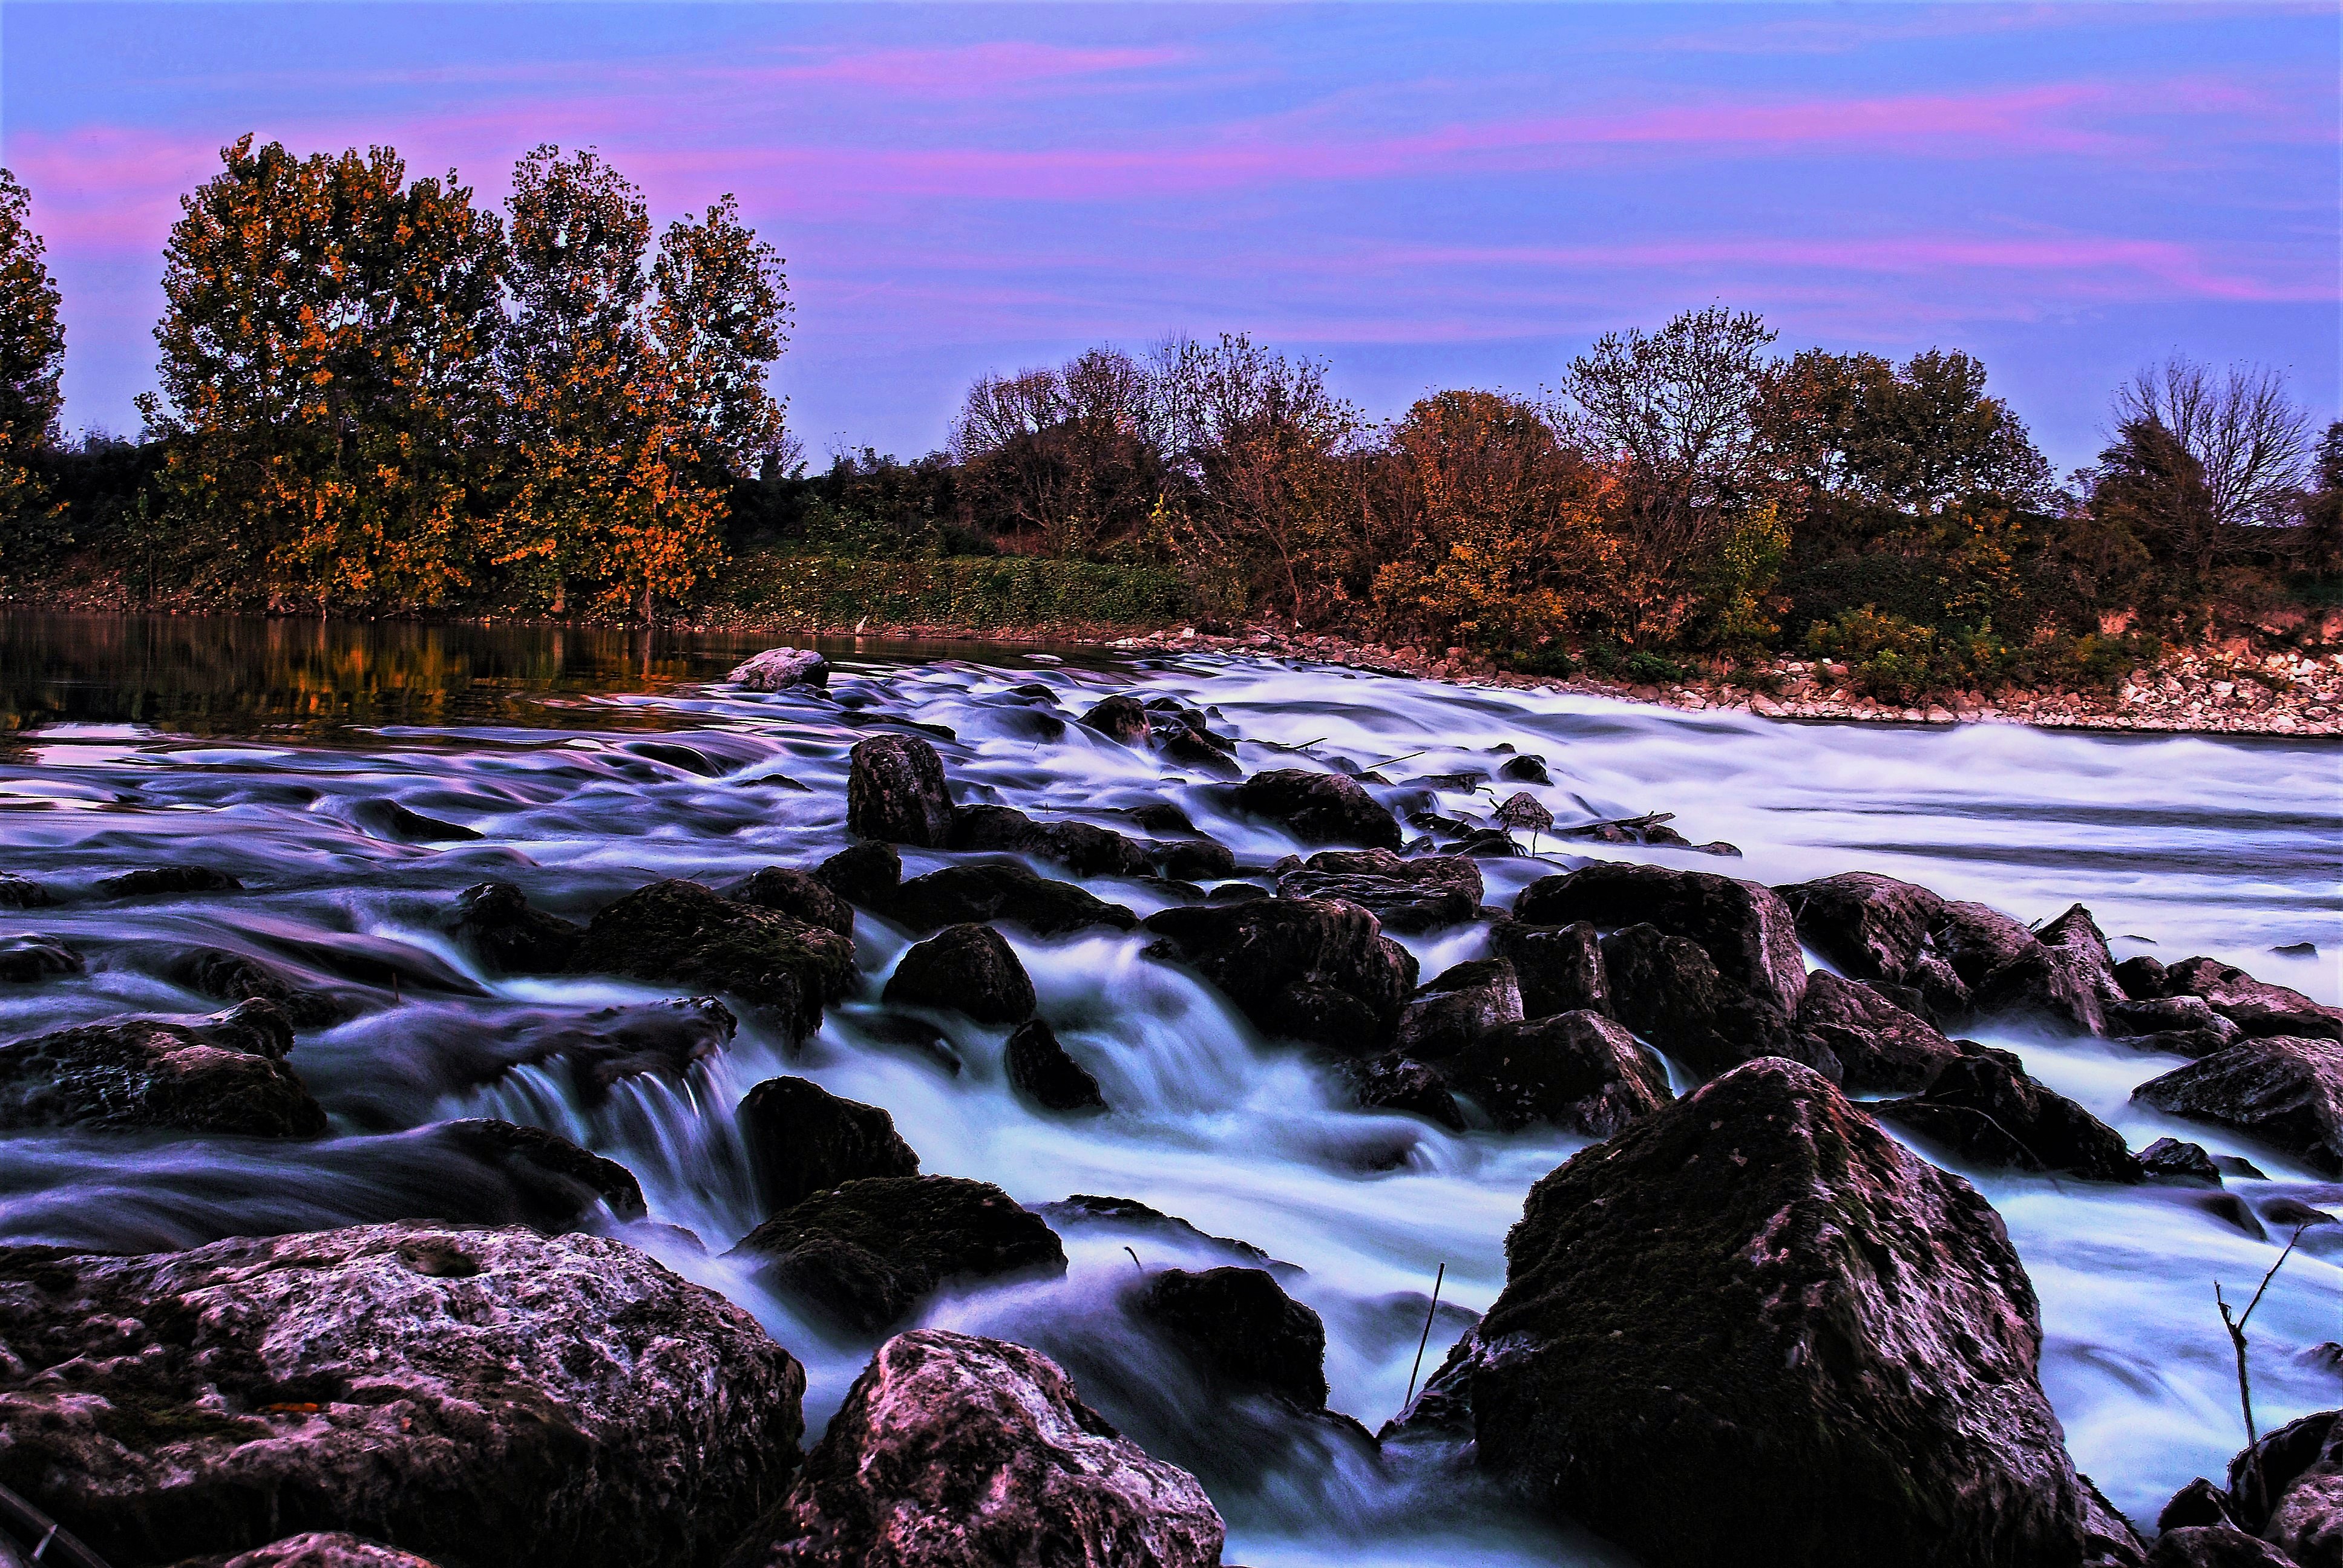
[(2288, 1092), (869, 1251), (2065, 976), (1395, 1082), (1002, 891), (2172, 1160), (1747, 931), (1560, 968), (1879, 1047), (1575, 1070), (1321, 973), (1082, 848), (800, 894), (225, 1074), (1879, 930), (474, 1394), (1318, 808), (688, 935), (2283, 1504), (954, 1452), (1040, 1069), (2255, 1006), (777, 669), (802, 1140), (1241, 1329), (1457, 1007), (555, 1183), (1994, 1115), (1195, 861), (1668, 991), (1977, 940), (895, 792), (1422, 894), (866, 874), (967, 969), (1756, 1299), (495, 920)]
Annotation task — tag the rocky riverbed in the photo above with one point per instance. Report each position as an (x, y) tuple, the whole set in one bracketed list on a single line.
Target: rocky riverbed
[(951, 1113)]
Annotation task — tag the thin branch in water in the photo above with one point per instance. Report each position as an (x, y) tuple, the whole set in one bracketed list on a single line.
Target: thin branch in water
[(2237, 1327), (1426, 1340), (1135, 1261)]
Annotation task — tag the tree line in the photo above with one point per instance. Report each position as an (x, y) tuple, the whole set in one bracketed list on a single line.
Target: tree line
[(376, 393)]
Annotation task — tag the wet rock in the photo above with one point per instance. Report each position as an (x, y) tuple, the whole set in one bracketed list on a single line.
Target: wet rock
[(2231, 1211), (1421, 894), (1082, 848), (2142, 979), (2065, 978), (895, 792), (2199, 1502), (1879, 930), (152, 880), (1123, 719), (1129, 1213), (2213, 1546), (1184, 746), (22, 893), (679, 756), (495, 921), (954, 1452), (2187, 1020), (2286, 1490), (1322, 974), (1975, 941), (389, 819), (688, 935), (1526, 769), (1040, 1071), (29, 959), (1560, 967), (777, 669), (1667, 989), (1879, 1047), (1394, 1082), (799, 894), (1994, 1115), (967, 969), (1747, 930), (1318, 808), (2255, 1006), (2172, 1160), (232, 977), (2291, 1214), (1241, 1330), (802, 1140), (1755, 1298), (1458, 1006), (225, 1074), (1001, 891), (1575, 1070), (556, 1183), (869, 1251), (317, 1549), (1163, 819), (2287, 1093), (1199, 860), (865, 874), (447, 1388)]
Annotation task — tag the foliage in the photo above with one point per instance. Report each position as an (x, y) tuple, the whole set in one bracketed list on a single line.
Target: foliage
[(1914, 438), (31, 357), (839, 593)]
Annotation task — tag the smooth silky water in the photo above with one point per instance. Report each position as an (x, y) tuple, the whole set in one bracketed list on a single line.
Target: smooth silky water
[(253, 746)]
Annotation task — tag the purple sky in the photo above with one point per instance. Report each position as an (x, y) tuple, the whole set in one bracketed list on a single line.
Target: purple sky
[(1424, 197)]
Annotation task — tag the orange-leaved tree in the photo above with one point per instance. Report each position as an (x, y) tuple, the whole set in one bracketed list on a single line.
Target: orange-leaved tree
[(32, 356)]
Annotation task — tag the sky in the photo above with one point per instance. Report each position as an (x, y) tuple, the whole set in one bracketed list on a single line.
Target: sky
[(1419, 195)]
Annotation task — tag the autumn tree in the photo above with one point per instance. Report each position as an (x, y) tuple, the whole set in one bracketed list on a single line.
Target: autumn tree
[(1913, 437), (719, 323), (1063, 459), (31, 357), (326, 384)]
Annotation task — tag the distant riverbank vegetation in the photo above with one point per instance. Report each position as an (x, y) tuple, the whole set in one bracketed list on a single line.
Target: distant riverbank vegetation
[(379, 395)]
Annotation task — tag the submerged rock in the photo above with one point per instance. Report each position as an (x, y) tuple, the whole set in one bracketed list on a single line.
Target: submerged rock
[(895, 792), (1318, 808), (1458, 1006), (954, 1452), (1747, 931), (495, 920), (1241, 1330), (30, 959), (1576, 1071), (22, 893), (688, 935), (1195, 861), (1879, 1047), (1423, 894), (554, 1183), (1994, 1115), (965, 969), (802, 1140), (1082, 848), (801, 895), (149, 881), (1129, 1213), (1004, 892), (1320, 973), (1560, 967), (777, 669), (1753, 1329), (389, 819), (225, 1074), (1040, 1071), (232, 977), (2287, 1093), (869, 1251), (473, 1394)]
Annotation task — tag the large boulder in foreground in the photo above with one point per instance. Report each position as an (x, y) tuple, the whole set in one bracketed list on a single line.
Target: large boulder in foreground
[(895, 792), (954, 1452), (1318, 808), (1320, 973), (223, 1074), (2288, 1092), (867, 1252), (965, 969), (1575, 1070), (1754, 1329), (475, 1395), (1745, 929), (801, 1140), (687, 935)]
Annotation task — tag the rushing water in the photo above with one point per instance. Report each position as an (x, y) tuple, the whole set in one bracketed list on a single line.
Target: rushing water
[(257, 748)]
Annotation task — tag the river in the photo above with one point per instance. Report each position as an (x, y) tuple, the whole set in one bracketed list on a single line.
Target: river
[(258, 747)]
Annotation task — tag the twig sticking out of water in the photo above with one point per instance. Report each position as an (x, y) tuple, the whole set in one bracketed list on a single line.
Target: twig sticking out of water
[(1426, 1340), (1135, 1261), (1387, 761), (1298, 746), (2237, 1327)]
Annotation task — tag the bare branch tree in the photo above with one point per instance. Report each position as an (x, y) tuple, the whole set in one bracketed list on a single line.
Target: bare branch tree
[(2251, 437)]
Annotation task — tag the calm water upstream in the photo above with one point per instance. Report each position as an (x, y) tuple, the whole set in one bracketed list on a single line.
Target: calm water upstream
[(257, 748)]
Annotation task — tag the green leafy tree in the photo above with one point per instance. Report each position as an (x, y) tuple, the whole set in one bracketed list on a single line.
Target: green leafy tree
[(31, 357), (326, 394), (720, 322), (1914, 437)]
